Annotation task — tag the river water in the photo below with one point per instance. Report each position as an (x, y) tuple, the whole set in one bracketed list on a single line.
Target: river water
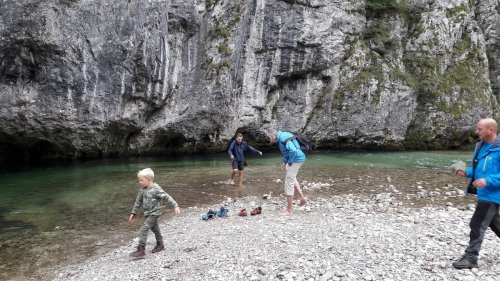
[(56, 215)]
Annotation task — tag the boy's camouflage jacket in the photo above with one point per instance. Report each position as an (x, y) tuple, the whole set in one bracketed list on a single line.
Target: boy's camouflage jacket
[(150, 199)]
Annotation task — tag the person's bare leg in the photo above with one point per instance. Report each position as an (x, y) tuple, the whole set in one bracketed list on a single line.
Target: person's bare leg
[(303, 200), (240, 177), (232, 176), (289, 207)]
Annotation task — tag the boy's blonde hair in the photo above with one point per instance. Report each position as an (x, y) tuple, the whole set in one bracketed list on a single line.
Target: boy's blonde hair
[(146, 173)]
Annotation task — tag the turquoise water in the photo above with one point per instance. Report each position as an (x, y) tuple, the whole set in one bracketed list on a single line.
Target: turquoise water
[(38, 198), (56, 205)]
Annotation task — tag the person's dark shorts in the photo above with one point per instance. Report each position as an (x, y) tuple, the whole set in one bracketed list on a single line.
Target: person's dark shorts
[(238, 165)]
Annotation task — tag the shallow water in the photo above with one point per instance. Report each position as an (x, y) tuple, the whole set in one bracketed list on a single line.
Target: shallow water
[(49, 213)]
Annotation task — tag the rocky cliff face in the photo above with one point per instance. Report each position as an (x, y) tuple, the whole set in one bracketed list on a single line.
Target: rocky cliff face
[(81, 77)]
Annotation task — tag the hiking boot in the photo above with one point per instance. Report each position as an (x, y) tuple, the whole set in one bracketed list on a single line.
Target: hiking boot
[(159, 247), (139, 253), (464, 263)]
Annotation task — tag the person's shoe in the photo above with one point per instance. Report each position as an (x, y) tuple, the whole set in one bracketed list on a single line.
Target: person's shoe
[(243, 213), (210, 215), (139, 253), (464, 263), (159, 247), (256, 211), (222, 212)]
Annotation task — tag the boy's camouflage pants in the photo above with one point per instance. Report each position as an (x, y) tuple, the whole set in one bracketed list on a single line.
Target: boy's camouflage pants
[(151, 222)]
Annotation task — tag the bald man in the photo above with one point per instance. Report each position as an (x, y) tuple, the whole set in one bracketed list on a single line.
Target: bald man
[(485, 177)]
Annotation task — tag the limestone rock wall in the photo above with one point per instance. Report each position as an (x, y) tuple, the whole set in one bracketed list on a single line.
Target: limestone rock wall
[(82, 77)]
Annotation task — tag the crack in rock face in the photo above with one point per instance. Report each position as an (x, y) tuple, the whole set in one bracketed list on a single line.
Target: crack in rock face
[(81, 78)]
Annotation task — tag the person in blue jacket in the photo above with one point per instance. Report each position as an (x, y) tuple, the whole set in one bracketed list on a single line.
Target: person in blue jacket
[(486, 179), (235, 152), (293, 158)]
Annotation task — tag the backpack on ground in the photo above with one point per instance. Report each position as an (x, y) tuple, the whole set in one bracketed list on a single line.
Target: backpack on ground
[(305, 144)]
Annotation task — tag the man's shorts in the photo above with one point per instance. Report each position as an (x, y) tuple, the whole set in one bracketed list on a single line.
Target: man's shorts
[(291, 177), (238, 165)]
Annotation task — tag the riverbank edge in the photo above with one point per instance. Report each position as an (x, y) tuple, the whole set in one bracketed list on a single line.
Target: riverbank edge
[(343, 210)]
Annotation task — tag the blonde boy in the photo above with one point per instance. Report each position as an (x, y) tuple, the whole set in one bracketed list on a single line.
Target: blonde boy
[(150, 196)]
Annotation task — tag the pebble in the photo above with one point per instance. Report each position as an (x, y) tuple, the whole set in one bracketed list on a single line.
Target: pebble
[(341, 237)]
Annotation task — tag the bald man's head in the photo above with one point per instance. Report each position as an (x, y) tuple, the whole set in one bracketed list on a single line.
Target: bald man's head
[(487, 129), (490, 123)]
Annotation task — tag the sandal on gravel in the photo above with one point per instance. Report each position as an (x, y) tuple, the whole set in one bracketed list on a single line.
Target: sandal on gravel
[(222, 212), (210, 215), (243, 213), (256, 211)]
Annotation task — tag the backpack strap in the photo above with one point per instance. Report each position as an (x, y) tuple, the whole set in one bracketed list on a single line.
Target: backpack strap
[(474, 164), (289, 139), (470, 188)]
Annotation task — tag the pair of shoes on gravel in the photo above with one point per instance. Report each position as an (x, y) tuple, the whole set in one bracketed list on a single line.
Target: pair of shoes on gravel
[(222, 212), (210, 215), (464, 263), (256, 211)]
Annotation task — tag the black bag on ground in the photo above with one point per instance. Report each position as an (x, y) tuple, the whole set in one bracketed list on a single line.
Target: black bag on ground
[(305, 144)]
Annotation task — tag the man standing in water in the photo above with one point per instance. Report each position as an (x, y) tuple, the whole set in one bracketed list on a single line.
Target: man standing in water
[(293, 158), (485, 175), (235, 151)]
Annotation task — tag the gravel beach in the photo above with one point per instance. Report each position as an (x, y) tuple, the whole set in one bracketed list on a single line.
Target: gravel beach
[(339, 237)]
